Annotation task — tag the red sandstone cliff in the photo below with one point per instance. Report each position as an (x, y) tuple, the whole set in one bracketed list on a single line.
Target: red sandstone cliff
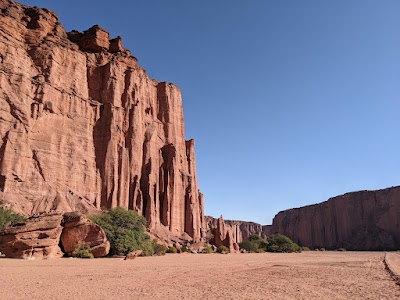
[(239, 231), (364, 220), (83, 127)]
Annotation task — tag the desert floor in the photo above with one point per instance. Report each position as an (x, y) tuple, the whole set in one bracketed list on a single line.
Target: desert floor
[(307, 275)]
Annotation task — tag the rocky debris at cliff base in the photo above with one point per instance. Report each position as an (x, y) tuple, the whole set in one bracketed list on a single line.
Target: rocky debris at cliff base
[(46, 235)]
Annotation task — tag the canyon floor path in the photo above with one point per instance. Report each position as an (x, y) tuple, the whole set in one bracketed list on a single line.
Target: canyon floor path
[(309, 275)]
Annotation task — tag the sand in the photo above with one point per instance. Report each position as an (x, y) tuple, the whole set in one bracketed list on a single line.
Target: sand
[(307, 275)]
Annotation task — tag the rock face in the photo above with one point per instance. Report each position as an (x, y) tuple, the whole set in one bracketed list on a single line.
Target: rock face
[(221, 234), (243, 230), (365, 220), (266, 231), (78, 230), (83, 127), (42, 235), (39, 237), (239, 231)]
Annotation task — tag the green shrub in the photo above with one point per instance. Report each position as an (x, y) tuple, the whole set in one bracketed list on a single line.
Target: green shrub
[(82, 251), (223, 249), (305, 249), (341, 249), (249, 246), (255, 244), (281, 243), (159, 249), (125, 230), (172, 250), (255, 237), (9, 218), (184, 248), (207, 249), (322, 249)]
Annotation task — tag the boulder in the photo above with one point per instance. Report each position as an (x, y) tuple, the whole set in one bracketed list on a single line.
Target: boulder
[(78, 230), (133, 255)]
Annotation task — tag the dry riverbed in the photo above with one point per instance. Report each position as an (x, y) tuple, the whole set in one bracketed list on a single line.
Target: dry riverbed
[(308, 275)]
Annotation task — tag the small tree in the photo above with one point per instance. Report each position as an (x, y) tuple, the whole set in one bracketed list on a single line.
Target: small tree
[(125, 230), (255, 244), (281, 243), (9, 218)]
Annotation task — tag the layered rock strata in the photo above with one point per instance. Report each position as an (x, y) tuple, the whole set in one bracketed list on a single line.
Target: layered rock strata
[(239, 230), (221, 234), (53, 234), (39, 237), (364, 220), (83, 127), (78, 230)]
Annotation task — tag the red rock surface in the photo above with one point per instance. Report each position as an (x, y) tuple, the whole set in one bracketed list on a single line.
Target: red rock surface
[(83, 127), (221, 234), (364, 220), (42, 234), (133, 255), (38, 237), (239, 230), (78, 230)]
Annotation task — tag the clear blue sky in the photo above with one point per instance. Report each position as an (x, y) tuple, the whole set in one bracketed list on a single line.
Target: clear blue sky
[(290, 102)]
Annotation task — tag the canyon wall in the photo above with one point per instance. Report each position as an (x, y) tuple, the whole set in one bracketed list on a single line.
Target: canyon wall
[(364, 220), (239, 230), (82, 127)]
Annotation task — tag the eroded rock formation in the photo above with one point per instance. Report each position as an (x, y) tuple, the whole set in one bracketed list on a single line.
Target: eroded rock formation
[(219, 233), (50, 235), (364, 220), (78, 230), (83, 127), (39, 237), (239, 231)]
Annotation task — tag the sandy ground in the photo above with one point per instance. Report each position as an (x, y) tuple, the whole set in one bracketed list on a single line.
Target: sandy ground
[(309, 275)]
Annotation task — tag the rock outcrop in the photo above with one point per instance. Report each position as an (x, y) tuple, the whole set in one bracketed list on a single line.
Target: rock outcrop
[(82, 127), (221, 234), (53, 234), (266, 231), (364, 220), (78, 230), (239, 231), (39, 237)]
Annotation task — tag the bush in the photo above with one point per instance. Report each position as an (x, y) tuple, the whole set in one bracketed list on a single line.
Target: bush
[(159, 249), (281, 243), (82, 251), (9, 218), (125, 230), (172, 250), (305, 249), (223, 249), (255, 244), (341, 249), (184, 248), (249, 246), (322, 249), (207, 249)]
